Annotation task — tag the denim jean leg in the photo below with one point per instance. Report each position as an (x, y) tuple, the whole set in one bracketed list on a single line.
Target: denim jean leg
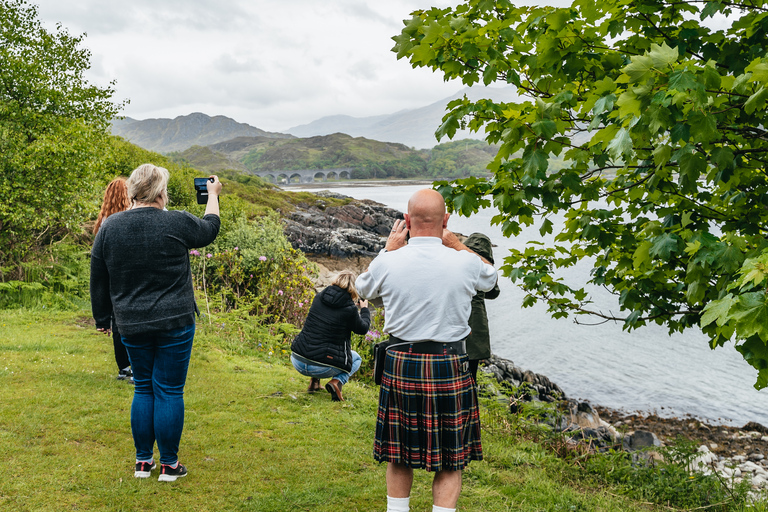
[(314, 370), (343, 377), (174, 349), (141, 353)]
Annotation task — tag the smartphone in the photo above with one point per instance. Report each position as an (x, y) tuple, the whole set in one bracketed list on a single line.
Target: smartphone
[(202, 189)]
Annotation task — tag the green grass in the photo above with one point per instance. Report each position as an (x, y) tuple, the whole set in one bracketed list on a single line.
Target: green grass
[(254, 440)]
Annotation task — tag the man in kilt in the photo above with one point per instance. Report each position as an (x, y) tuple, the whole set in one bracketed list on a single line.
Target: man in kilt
[(428, 415)]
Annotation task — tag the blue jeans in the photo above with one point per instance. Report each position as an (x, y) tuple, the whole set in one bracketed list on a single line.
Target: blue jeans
[(327, 372), (159, 361)]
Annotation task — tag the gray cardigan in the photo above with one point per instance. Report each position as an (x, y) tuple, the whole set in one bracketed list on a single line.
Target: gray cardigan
[(140, 268)]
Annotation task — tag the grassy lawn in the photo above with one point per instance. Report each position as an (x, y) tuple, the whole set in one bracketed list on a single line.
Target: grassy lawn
[(254, 439)]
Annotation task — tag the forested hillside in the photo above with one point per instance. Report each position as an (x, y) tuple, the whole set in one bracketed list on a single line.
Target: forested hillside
[(368, 158)]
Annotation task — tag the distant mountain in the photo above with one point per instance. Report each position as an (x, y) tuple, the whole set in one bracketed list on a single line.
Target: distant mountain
[(414, 128), (167, 135)]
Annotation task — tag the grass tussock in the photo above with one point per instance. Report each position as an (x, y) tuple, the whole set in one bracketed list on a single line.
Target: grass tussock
[(254, 439)]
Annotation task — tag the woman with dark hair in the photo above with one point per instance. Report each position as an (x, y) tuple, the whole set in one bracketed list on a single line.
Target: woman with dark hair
[(323, 348), (140, 265), (116, 200)]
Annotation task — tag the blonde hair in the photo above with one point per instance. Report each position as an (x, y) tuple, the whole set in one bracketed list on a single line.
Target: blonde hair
[(115, 200), (147, 183), (346, 281)]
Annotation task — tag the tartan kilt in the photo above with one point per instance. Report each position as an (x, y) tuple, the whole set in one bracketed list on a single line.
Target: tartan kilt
[(428, 415)]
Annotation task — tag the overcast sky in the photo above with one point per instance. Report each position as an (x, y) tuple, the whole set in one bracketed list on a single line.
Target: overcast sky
[(272, 64)]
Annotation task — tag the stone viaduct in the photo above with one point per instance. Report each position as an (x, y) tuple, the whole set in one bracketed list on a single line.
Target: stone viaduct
[(305, 175)]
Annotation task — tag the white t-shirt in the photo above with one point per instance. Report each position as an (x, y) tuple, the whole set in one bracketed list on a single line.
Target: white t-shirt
[(427, 289)]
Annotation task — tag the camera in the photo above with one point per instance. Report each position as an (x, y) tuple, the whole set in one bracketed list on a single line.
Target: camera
[(202, 189)]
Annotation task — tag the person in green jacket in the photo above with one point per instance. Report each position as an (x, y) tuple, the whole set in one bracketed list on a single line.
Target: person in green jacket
[(479, 340)]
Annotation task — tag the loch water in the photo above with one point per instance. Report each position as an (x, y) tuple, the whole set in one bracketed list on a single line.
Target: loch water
[(645, 370)]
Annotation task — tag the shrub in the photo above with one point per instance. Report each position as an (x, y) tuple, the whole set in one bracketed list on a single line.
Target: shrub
[(253, 265), (56, 278)]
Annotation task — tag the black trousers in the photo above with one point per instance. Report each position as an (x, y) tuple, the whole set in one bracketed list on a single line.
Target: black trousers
[(121, 354)]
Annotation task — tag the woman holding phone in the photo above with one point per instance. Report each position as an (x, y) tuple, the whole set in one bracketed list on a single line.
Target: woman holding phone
[(140, 265)]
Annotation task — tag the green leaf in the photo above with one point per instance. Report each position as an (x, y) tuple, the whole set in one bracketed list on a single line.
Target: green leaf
[(717, 310), (682, 80), (641, 256), (546, 227), (620, 145), (710, 9), (544, 128), (604, 104), (629, 105), (751, 315), (534, 161), (691, 167), (681, 131), (605, 135), (662, 56), (661, 155), (759, 71), (639, 69), (755, 352), (449, 127), (704, 127), (663, 246), (756, 101)]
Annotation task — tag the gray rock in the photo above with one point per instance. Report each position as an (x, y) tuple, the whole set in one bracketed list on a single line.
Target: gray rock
[(640, 439), (355, 229)]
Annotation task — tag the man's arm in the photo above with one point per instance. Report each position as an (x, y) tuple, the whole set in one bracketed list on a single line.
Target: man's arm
[(452, 241)]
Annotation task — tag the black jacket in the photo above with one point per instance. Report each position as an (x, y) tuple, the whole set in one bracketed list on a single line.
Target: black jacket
[(325, 338)]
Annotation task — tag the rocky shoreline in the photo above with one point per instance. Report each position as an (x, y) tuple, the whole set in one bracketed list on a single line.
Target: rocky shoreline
[(349, 236), (736, 454)]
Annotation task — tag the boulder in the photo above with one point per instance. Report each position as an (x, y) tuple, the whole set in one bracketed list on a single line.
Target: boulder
[(639, 440), (356, 229)]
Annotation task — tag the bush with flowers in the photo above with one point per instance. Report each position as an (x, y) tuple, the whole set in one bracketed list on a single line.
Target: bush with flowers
[(252, 266)]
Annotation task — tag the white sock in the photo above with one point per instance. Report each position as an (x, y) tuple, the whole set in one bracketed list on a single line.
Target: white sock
[(398, 504), (435, 508)]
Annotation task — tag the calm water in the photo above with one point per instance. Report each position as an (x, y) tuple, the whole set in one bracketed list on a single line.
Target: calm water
[(645, 370)]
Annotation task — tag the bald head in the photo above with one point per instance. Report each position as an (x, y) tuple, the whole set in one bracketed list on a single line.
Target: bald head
[(426, 213)]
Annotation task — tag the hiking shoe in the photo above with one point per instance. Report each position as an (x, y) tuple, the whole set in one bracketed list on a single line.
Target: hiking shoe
[(126, 375), (169, 474), (144, 469), (334, 388)]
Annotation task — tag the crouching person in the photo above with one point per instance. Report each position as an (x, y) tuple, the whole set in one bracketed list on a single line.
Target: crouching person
[(323, 348)]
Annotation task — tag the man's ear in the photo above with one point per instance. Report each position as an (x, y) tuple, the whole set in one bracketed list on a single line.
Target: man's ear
[(407, 221), (445, 220)]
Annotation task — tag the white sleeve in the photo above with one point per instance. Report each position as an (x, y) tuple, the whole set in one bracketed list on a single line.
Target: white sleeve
[(487, 278), (367, 286)]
